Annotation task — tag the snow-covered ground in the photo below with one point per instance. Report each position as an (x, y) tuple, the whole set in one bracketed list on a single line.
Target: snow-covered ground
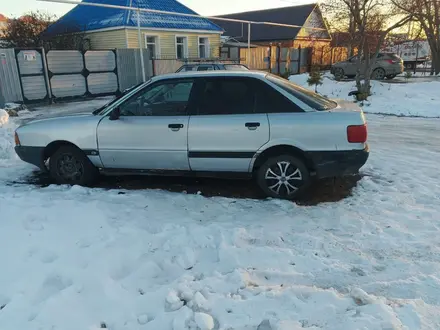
[(78, 258), (412, 99)]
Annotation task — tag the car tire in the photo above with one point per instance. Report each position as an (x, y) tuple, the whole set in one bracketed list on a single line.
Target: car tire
[(392, 76), (273, 177), (378, 74), (69, 165), (339, 74)]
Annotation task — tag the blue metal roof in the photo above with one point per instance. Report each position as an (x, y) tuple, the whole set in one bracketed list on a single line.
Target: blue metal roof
[(88, 18)]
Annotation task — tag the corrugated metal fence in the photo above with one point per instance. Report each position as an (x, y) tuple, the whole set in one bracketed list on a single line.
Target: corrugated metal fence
[(9, 78), (129, 67)]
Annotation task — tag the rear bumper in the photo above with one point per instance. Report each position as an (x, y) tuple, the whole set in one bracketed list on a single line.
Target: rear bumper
[(395, 70), (338, 163), (32, 155)]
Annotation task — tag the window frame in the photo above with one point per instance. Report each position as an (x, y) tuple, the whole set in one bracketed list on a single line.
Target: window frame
[(156, 43), (300, 96), (185, 46), (206, 46), (190, 103)]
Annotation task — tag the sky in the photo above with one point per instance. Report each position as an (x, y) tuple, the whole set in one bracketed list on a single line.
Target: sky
[(14, 8)]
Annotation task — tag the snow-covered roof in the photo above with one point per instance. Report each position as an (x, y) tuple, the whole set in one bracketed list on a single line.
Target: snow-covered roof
[(87, 18)]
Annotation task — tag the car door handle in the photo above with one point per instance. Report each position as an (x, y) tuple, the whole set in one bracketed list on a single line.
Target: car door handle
[(175, 127), (252, 126)]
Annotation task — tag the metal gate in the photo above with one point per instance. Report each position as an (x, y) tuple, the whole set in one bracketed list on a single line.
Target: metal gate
[(74, 73), (31, 69), (30, 75)]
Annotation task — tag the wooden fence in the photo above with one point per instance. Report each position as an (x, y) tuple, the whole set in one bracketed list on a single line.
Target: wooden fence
[(284, 60)]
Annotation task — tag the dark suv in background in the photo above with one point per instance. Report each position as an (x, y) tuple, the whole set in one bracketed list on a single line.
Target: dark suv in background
[(388, 65)]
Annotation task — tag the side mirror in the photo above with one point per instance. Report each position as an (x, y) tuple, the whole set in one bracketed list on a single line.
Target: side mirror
[(115, 114)]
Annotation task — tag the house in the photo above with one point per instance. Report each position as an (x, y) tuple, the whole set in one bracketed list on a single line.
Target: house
[(165, 35), (305, 16)]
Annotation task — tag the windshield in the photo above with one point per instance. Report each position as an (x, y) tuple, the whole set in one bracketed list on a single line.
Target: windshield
[(310, 98), (235, 67), (117, 98)]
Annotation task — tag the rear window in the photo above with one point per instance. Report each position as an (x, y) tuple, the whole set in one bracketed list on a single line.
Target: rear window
[(310, 98), (235, 67), (186, 68)]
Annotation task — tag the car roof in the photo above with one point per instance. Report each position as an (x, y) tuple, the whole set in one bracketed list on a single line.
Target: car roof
[(212, 63), (194, 74)]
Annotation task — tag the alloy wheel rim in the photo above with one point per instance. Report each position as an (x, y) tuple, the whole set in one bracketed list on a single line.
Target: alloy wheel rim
[(380, 74), (70, 168), (283, 178)]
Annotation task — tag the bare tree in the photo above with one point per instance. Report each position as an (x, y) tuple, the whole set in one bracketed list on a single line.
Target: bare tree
[(370, 22), (26, 30), (427, 14), (71, 36)]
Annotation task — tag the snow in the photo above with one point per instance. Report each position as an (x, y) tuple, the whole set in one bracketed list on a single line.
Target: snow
[(418, 98), (79, 258), (204, 321), (4, 117)]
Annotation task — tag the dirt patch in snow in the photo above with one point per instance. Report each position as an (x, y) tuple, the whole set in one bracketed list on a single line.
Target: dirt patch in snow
[(323, 191)]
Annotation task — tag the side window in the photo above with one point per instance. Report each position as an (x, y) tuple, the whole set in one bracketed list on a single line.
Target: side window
[(168, 98), (269, 100), (226, 96), (205, 68)]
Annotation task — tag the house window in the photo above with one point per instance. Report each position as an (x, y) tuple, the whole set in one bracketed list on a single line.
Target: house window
[(203, 47), (152, 44), (181, 47)]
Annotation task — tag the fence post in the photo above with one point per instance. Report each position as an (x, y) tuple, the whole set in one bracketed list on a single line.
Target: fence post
[(270, 58), (322, 55), (331, 56), (279, 58), (299, 59), (46, 74)]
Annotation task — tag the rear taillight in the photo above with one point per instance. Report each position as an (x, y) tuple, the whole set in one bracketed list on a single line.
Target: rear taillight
[(357, 133), (392, 61), (17, 140)]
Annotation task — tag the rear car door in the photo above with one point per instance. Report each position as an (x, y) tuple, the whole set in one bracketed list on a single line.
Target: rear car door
[(224, 131), (152, 130)]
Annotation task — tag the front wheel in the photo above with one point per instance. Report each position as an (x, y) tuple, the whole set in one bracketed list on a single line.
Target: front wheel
[(284, 177), (69, 165), (378, 74)]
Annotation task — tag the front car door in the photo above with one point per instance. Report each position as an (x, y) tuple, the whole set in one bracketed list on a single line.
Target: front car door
[(225, 132), (152, 130)]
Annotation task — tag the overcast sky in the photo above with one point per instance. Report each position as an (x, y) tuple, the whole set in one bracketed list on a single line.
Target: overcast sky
[(13, 8)]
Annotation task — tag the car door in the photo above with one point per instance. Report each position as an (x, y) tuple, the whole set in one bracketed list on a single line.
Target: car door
[(152, 130), (350, 67), (224, 130)]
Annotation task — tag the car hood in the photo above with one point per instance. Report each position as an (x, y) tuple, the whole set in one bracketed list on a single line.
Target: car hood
[(63, 118)]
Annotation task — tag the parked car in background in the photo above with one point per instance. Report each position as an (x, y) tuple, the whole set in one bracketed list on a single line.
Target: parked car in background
[(227, 124), (387, 65), (412, 52), (212, 67)]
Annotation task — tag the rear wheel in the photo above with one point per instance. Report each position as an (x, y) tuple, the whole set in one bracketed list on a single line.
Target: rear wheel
[(391, 76), (339, 74), (284, 177), (378, 74), (69, 165)]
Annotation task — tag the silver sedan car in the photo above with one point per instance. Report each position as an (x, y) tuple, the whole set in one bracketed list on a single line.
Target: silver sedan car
[(225, 124)]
